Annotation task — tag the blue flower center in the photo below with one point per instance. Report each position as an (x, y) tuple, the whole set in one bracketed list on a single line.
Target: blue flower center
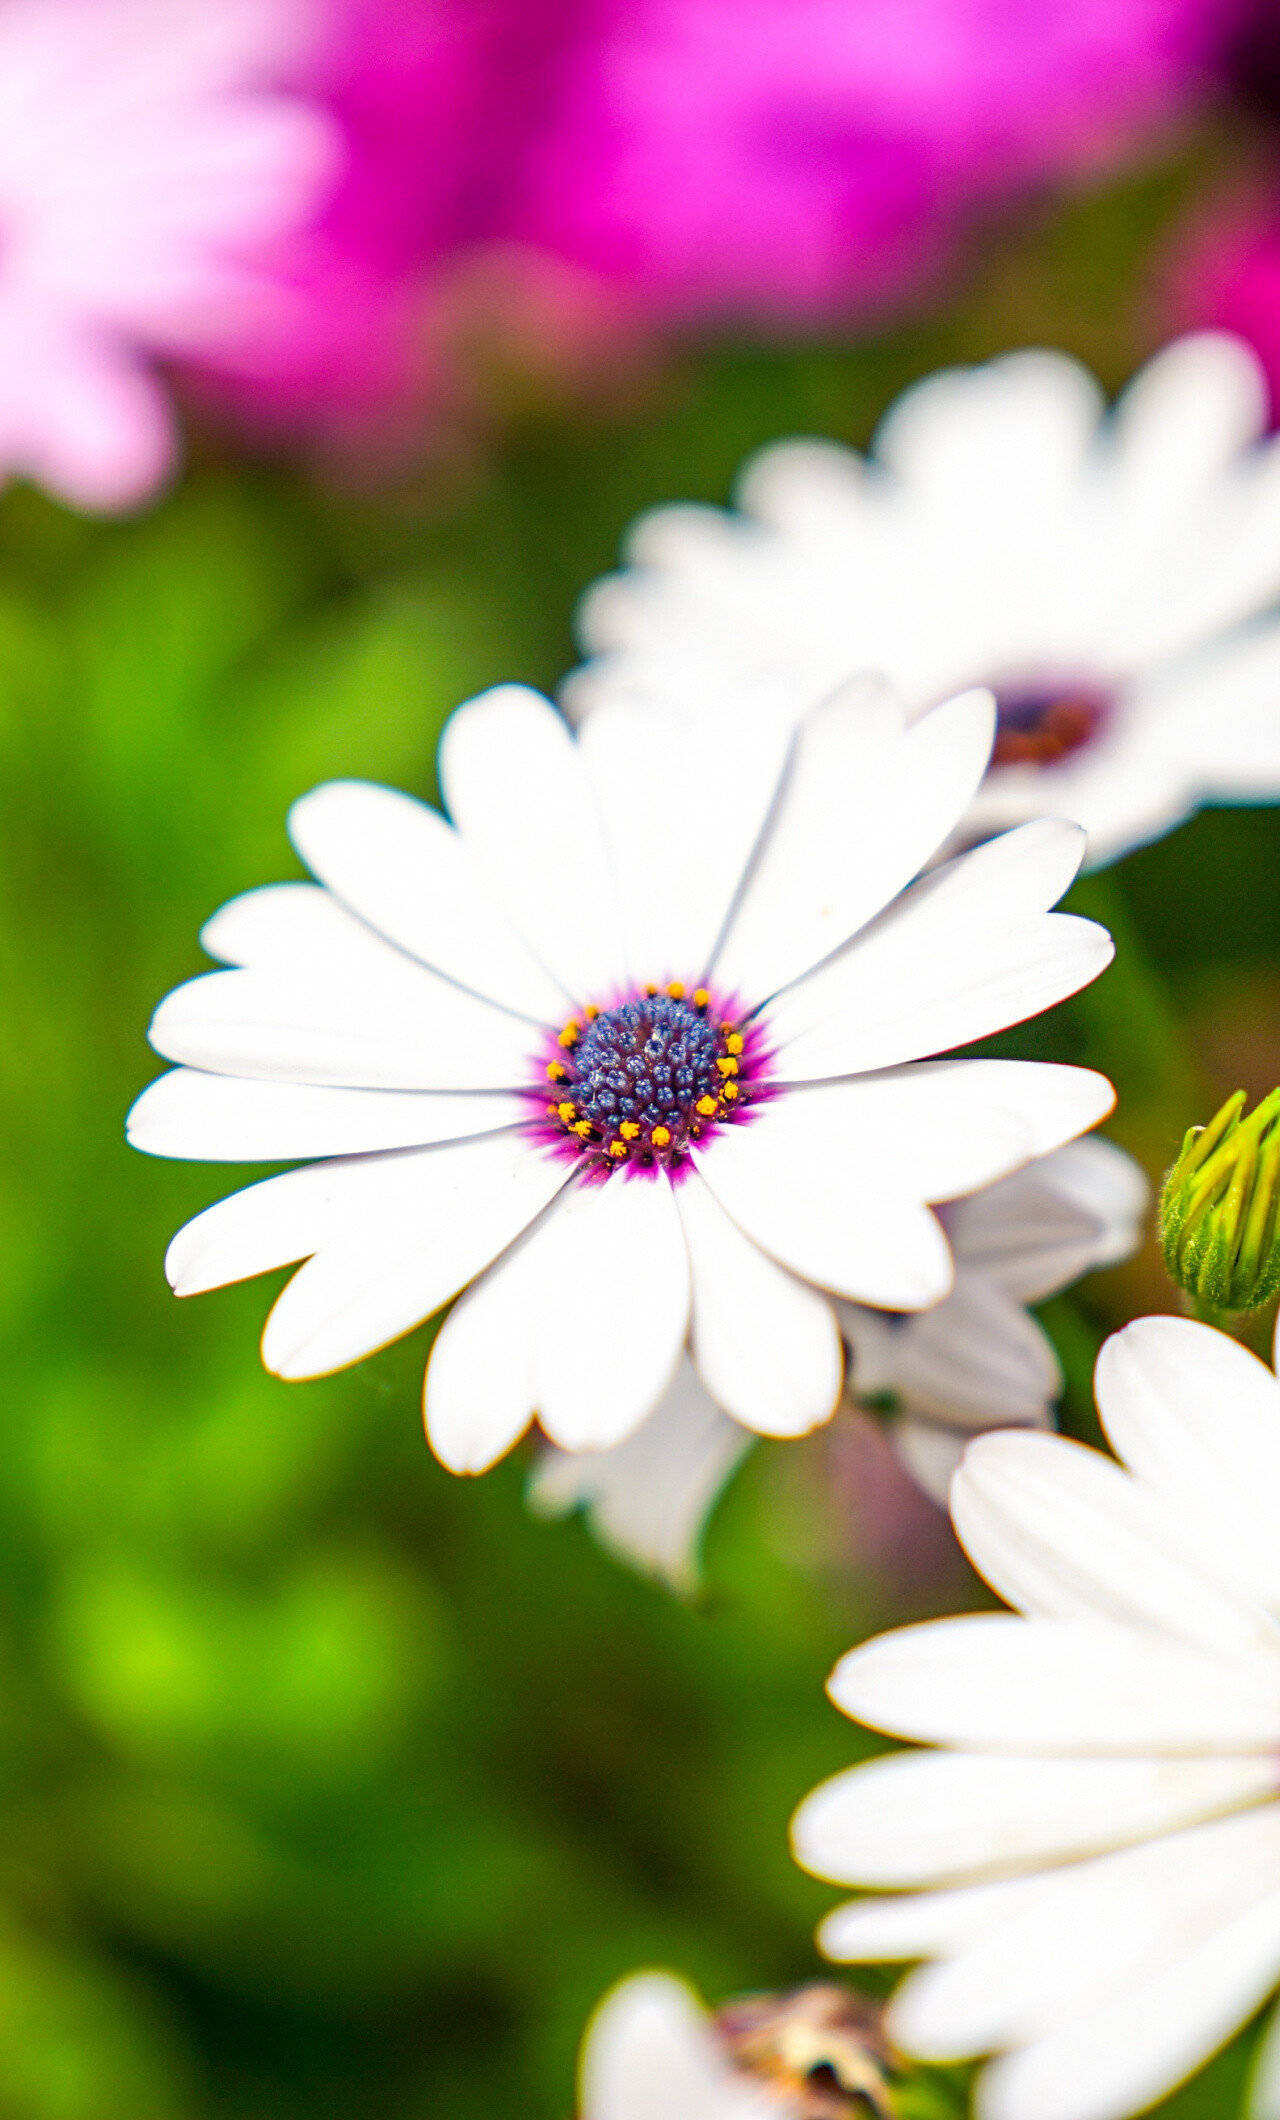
[(1037, 724), (642, 1080)]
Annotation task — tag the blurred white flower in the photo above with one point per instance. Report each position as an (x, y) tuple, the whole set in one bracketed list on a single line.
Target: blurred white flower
[(630, 1048), (650, 2054), (144, 160), (1111, 578), (1091, 1857), (976, 1360)]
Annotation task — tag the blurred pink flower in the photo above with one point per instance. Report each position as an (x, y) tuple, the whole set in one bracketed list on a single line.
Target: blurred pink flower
[(1227, 275), (144, 161), (784, 157)]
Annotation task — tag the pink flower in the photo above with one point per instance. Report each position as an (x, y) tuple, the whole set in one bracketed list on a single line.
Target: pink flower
[(766, 157), (1228, 275), (145, 160)]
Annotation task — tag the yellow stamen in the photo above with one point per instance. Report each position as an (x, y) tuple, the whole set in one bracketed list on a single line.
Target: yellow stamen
[(651, 990), (617, 1148), (570, 1034), (583, 1128), (707, 1106), (567, 1112), (591, 1012), (701, 997), (729, 1091), (553, 1111), (727, 1065), (660, 1136), (676, 990), (735, 1041), (555, 1072), (628, 1129)]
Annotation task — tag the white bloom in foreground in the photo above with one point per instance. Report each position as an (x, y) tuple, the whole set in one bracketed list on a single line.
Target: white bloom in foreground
[(1111, 578), (145, 157), (629, 1047), (650, 2054), (1091, 1855), (976, 1360)]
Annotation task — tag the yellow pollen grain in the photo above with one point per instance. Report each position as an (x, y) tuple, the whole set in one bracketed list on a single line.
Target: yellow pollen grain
[(707, 1106), (583, 1128), (661, 1136), (617, 1148), (735, 1041), (552, 1110), (727, 1064), (591, 1012), (628, 1129), (567, 1112), (729, 1091), (701, 997), (676, 990), (651, 990), (555, 1072), (569, 1035)]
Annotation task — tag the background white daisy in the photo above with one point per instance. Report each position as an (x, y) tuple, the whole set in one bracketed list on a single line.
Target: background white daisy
[(1111, 576), (1090, 1855)]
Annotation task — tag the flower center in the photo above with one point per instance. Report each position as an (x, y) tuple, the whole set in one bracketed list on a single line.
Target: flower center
[(1040, 723), (642, 1080)]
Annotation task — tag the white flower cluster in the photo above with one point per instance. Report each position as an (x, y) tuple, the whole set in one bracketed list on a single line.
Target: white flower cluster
[(633, 1055)]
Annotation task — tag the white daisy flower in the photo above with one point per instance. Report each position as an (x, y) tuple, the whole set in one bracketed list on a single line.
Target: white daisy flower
[(653, 2053), (1090, 1852), (977, 1360), (628, 1051), (1111, 577)]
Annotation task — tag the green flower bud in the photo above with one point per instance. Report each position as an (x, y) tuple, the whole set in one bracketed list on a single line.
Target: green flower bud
[(1219, 1208)]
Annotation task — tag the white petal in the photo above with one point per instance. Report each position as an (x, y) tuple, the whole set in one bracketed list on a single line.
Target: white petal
[(1197, 1417), (679, 839), (1008, 437), (1055, 1102), (876, 1244), (519, 794), (929, 1452), (228, 1119), (1041, 1686), (1077, 1954), (975, 1359), (379, 1278), (615, 1309), (1066, 1213), (1063, 1533), (907, 990), (920, 1818), (1213, 719), (410, 1030), (863, 807), (922, 1131), (1263, 2101), (766, 1345), (480, 1389), (650, 2055), (295, 927), (400, 867), (923, 1924), (649, 1497), (1140, 2044)]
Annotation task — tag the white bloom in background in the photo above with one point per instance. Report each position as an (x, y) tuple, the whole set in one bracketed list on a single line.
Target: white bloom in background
[(650, 2054), (144, 158), (627, 1052), (1110, 577), (1090, 1856), (976, 1360)]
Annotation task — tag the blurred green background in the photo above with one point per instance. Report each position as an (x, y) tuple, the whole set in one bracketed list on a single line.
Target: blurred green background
[(330, 1785)]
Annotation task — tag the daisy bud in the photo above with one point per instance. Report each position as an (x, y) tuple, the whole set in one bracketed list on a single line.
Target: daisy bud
[(1218, 1209)]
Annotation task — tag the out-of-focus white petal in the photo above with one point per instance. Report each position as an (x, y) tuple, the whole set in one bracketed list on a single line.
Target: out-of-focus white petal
[(1062, 1533), (1045, 1686), (381, 1276), (929, 1451), (975, 1359), (882, 1247), (402, 1030), (863, 807), (519, 794), (1197, 1418), (923, 1818), (1263, 2101), (649, 1497), (615, 1309), (650, 2055), (230, 1119), (765, 1345), (924, 1924), (400, 867), (1032, 1233)]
